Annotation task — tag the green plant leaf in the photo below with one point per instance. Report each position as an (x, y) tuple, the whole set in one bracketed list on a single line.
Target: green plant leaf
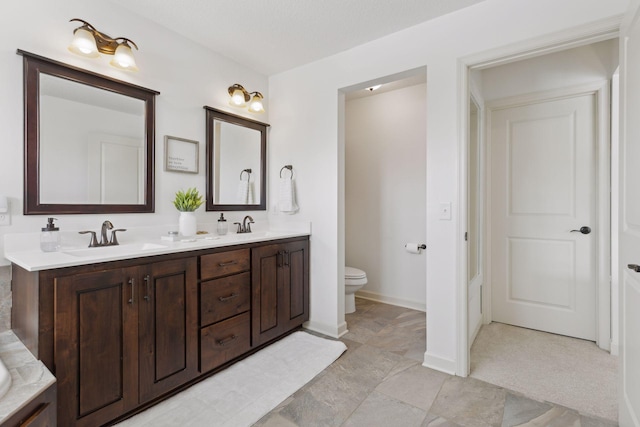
[(188, 201)]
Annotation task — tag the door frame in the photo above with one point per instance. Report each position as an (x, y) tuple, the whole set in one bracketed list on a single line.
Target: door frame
[(578, 36), (601, 185)]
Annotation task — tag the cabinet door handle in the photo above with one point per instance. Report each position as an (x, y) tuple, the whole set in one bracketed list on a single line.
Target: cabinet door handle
[(227, 340), (286, 258), (230, 297), (226, 264), (132, 282), (279, 257), (147, 296)]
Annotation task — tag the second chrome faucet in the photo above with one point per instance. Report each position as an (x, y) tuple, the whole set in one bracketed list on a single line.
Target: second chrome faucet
[(107, 225), (245, 227)]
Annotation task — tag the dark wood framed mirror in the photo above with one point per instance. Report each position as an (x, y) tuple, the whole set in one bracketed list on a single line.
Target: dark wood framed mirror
[(89, 141), (236, 162)]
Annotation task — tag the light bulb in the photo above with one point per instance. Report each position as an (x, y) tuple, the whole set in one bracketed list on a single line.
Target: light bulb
[(123, 58), (256, 104), (84, 44)]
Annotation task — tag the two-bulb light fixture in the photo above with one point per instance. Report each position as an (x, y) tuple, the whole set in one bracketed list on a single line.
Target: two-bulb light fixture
[(240, 98), (89, 42)]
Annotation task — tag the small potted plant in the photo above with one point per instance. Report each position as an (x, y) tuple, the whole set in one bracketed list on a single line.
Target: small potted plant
[(187, 202)]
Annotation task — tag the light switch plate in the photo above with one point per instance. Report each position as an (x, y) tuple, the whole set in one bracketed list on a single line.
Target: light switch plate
[(445, 211), (5, 219)]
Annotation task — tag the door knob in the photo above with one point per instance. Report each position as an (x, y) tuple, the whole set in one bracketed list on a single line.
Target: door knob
[(634, 267), (583, 230)]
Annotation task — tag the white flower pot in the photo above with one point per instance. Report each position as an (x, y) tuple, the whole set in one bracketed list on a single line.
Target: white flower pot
[(187, 224)]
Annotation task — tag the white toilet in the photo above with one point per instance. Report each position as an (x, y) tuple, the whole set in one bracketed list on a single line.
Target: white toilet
[(354, 279)]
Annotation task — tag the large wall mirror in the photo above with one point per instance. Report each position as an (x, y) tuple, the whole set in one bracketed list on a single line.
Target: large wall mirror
[(236, 162), (89, 141)]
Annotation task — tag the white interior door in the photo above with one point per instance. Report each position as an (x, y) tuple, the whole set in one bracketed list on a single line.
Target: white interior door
[(116, 169), (543, 187), (630, 223)]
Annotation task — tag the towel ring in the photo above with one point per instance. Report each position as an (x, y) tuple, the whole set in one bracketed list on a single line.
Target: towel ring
[(248, 171), (290, 167)]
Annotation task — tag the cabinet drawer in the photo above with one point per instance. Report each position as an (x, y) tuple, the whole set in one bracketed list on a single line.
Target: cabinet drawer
[(224, 298), (224, 341), (224, 263)]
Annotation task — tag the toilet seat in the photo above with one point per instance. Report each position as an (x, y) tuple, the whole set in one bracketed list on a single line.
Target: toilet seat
[(354, 273)]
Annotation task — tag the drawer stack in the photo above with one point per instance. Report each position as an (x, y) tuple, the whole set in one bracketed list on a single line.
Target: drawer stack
[(225, 302)]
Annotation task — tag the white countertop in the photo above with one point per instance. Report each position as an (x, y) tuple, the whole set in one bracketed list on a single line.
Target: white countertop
[(31, 258)]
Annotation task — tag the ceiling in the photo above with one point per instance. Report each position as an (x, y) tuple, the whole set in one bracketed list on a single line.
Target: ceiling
[(271, 36)]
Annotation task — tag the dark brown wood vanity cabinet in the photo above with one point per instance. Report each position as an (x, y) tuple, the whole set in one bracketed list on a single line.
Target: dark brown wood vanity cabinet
[(123, 336), (280, 289)]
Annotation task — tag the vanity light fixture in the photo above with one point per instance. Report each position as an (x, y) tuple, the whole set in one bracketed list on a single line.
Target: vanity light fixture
[(240, 97), (89, 42)]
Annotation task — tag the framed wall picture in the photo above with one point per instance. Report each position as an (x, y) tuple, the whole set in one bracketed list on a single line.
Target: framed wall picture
[(180, 155)]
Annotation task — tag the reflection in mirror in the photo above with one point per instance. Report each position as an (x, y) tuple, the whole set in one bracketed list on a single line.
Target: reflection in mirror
[(100, 158), (89, 141), (240, 149), (236, 162)]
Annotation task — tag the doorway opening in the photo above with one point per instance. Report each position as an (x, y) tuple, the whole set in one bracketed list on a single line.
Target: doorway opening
[(383, 183), (545, 171)]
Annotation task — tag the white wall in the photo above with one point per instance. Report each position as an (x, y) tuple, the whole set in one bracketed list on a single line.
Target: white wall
[(310, 136), (187, 76), (385, 193), (585, 64)]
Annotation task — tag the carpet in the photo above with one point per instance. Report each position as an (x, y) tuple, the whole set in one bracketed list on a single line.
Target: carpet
[(567, 371), (246, 391)]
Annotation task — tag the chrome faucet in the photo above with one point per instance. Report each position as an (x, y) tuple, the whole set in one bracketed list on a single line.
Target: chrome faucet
[(103, 232), (107, 225), (245, 227)]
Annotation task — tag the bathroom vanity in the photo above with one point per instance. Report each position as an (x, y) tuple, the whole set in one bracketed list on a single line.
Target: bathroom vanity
[(123, 334)]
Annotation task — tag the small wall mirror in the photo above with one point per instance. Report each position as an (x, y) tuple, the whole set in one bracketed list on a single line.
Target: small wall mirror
[(236, 162), (89, 141)]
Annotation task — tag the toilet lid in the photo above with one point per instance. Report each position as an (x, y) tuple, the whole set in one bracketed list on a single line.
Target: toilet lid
[(354, 273)]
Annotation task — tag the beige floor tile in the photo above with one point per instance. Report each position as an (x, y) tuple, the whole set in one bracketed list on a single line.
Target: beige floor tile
[(417, 386), (381, 410), (470, 403)]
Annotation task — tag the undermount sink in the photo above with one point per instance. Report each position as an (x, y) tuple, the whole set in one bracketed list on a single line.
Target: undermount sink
[(114, 250)]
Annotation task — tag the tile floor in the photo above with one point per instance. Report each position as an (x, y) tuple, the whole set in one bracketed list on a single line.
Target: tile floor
[(380, 381)]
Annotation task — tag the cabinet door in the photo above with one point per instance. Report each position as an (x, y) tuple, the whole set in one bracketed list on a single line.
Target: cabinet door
[(266, 293), (295, 304), (96, 350), (168, 327), (280, 289)]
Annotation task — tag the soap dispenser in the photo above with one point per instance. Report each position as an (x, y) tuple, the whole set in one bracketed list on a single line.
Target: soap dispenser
[(50, 237), (222, 225)]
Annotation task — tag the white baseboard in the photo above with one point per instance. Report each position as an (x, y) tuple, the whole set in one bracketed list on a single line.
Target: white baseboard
[(401, 302), (328, 330), (615, 349), (438, 363)]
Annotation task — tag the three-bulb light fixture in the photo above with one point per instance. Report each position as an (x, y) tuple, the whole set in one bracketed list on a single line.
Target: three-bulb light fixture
[(89, 42), (240, 97)]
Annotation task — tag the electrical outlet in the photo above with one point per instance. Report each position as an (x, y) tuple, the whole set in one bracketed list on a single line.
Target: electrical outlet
[(5, 219)]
